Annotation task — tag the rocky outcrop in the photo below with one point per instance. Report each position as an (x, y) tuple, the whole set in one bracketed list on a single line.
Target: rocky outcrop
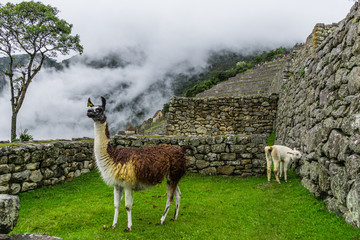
[(9, 212), (319, 112)]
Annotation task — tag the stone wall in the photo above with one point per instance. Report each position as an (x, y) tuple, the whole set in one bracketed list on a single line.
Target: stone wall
[(319, 112), (32, 166), (221, 116), (214, 155)]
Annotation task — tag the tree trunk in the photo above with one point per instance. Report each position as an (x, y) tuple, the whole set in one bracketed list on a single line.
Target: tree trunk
[(13, 126)]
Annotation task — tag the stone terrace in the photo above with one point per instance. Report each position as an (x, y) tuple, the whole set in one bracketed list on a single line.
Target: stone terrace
[(254, 81)]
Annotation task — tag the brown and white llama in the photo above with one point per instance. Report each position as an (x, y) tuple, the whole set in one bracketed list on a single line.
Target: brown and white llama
[(131, 169)]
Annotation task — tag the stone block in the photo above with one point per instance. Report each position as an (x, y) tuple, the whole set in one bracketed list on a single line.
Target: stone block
[(352, 166), (26, 186), (338, 182), (16, 159), (225, 170), (237, 148), (336, 145), (48, 173), (83, 171), (9, 212), (208, 171), (48, 162), (200, 164), (354, 80), (228, 156), (15, 188), (218, 148), (4, 188), (3, 160), (4, 168), (190, 161), (353, 204), (32, 166), (36, 176), (5, 178), (21, 176)]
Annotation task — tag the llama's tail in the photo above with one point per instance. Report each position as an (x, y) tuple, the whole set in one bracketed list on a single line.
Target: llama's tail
[(268, 150), (187, 147)]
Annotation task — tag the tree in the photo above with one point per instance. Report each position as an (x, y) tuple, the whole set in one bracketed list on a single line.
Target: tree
[(34, 29)]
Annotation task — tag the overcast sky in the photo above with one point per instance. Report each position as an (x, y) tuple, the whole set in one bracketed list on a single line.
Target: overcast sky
[(168, 32)]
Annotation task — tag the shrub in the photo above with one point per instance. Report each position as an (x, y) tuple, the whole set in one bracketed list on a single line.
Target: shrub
[(25, 136)]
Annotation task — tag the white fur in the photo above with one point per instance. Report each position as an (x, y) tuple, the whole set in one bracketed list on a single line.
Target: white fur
[(100, 152), (280, 155), (102, 158)]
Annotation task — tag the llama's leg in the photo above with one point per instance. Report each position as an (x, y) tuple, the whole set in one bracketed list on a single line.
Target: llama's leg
[(118, 194), (268, 163), (177, 196), (170, 196), (128, 206), (281, 169), (276, 167), (286, 163)]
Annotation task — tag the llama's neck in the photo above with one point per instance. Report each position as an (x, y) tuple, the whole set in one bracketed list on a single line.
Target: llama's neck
[(120, 173), (101, 137), (102, 157)]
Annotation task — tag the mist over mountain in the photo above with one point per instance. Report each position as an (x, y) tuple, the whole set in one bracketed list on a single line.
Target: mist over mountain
[(55, 104), (137, 55)]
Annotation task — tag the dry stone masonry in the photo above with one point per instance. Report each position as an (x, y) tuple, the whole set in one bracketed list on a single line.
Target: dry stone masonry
[(213, 155), (32, 166), (221, 116), (319, 112)]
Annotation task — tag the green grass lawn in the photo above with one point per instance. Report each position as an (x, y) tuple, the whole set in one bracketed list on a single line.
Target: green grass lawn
[(211, 208)]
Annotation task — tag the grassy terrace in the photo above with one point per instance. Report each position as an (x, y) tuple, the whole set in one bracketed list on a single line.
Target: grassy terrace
[(211, 208)]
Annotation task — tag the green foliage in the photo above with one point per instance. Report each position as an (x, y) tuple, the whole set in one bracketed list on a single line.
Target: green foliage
[(15, 140), (25, 136), (216, 61), (268, 56), (271, 139), (34, 29), (165, 109), (247, 209), (217, 76), (301, 73)]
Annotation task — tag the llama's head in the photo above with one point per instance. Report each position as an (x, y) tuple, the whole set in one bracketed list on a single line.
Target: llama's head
[(295, 154), (97, 112)]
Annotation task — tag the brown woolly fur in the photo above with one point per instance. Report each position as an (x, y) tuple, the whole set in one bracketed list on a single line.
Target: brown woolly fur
[(152, 164), (187, 147), (136, 168)]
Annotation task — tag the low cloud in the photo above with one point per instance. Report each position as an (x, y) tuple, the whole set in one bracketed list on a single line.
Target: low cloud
[(153, 38)]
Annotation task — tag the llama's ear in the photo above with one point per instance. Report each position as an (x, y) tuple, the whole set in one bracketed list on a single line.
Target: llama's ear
[(89, 104), (103, 100)]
